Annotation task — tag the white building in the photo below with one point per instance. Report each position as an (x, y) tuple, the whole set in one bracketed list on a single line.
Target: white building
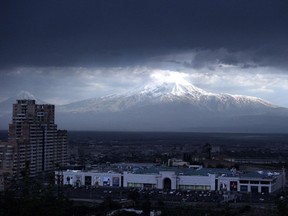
[(169, 178), (172, 178)]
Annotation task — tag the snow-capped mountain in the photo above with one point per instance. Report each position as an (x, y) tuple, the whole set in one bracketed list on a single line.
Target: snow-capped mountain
[(25, 95), (166, 106), (169, 93), (6, 106), (174, 106)]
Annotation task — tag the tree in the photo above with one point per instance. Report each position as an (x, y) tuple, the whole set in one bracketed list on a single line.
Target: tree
[(29, 196), (206, 150), (146, 206), (133, 195), (282, 207)]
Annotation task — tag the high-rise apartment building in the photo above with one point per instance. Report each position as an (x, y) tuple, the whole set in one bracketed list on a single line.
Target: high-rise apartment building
[(37, 141)]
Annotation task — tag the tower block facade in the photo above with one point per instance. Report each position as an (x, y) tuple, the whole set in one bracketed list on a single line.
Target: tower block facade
[(37, 141)]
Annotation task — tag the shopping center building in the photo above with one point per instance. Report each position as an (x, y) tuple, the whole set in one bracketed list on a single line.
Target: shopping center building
[(176, 178)]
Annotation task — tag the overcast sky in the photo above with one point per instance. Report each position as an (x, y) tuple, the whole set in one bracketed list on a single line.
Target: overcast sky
[(67, 50)]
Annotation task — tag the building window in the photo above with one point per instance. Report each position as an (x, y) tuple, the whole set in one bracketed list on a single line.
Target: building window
[(265, 189), (254, 189), (88, 180), (233, 186), (243, 188), (265, 182), (134, 185)]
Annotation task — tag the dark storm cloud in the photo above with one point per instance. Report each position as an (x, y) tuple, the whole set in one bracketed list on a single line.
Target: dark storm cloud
[(211, 59), (115, 32)]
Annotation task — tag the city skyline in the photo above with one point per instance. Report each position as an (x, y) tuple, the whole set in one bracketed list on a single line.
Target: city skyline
[(70, 50)]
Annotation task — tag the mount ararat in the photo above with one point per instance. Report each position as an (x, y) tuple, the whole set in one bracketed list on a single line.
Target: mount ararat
[(171, 106), (174, 106)]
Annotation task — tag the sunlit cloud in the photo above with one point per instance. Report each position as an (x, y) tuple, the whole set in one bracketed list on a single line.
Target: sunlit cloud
[(160, 76), (218, 71)]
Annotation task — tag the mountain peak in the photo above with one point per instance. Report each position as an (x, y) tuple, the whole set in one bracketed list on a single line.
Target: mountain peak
[(171, 93), (175, 88), (25, 95), (182, 88)]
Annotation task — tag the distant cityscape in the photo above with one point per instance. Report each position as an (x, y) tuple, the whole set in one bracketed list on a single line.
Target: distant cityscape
[(222, 167)]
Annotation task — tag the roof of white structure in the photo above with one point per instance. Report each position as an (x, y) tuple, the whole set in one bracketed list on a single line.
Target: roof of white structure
[(150, 169), (182, 171), (208, 171)]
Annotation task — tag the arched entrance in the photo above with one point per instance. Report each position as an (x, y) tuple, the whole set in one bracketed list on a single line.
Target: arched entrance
[(167, 184)]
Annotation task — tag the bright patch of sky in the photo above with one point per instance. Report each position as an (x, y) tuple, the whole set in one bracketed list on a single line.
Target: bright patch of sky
[(162, 76)]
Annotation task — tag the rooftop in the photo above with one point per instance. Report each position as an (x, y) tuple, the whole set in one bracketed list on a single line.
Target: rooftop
[(182, 171)]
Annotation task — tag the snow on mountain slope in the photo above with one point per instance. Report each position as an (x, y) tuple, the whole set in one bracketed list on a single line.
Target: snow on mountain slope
[(25, 95), (165, 106), (174, 106), (168, 93), (6, 105)]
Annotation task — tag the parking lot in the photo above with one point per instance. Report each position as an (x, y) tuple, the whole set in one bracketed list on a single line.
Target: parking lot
[(99, 193)]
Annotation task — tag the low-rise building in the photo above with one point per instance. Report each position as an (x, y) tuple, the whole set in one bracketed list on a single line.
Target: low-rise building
[(172, 178)]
